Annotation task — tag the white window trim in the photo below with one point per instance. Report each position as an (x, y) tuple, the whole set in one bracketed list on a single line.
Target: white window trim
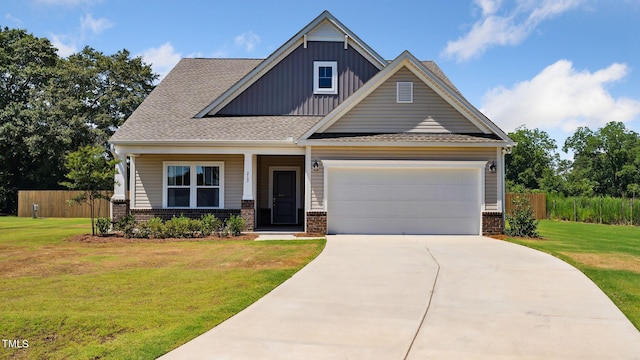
[(193, 197), (334, 77), (401, 84)]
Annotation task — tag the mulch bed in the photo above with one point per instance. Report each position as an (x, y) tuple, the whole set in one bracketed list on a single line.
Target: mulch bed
[(117, 238)]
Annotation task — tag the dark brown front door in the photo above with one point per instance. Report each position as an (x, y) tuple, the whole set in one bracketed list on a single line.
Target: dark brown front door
[(284, 197)]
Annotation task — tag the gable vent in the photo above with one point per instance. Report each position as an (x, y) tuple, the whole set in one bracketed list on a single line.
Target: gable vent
[(404, 92)]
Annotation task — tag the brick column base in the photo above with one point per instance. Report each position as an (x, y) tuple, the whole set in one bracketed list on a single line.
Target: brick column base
[(248, 212), (492, 223), (119, 209), (317, 222)]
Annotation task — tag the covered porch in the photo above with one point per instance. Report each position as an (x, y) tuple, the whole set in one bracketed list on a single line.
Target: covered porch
[(266, 186)]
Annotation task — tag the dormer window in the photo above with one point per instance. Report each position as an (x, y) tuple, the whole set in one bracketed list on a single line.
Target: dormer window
[(325, 77)]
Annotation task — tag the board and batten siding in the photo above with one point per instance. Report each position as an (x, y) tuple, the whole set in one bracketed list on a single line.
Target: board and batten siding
[(380, 113), (403, 153), (148, 178), (287, 89)]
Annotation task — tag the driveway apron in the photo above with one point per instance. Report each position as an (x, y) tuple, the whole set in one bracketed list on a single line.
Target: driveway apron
[(425, 297)]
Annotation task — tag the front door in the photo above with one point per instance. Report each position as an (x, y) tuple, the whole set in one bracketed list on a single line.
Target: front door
[(284, 207)]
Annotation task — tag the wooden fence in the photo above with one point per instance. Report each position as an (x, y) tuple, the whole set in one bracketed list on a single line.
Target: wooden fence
[(55, 203), (538, 203)]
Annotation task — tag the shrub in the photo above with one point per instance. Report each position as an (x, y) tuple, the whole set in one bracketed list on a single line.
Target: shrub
[(234, 225), (522, 221), (142, 231), (156, 228), (127, 225), (209, 224), (102, 226), (182, 227)]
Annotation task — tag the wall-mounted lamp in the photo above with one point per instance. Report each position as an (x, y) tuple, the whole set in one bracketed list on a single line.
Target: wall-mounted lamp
[(315, 166), (492, 167)]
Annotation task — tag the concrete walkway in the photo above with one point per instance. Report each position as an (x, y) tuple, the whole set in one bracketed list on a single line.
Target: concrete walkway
[(425, 297)]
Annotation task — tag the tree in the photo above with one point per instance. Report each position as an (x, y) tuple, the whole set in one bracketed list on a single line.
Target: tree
[(90, 171), (27, 64), (50, 106), (103, 91), (532, 162), (608, 158)]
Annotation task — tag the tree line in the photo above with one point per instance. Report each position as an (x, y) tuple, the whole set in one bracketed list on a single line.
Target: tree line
[(606, 162), (51, 106)]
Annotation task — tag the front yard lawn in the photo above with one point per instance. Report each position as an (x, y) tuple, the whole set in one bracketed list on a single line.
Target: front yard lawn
[(609, 255), (127, 301)]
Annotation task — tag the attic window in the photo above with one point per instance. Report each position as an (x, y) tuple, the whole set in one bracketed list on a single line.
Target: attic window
[(325, 77), (404, 92)]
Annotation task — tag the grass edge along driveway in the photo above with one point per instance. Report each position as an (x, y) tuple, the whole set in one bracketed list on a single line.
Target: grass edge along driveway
[(608, 254), (127, 301)]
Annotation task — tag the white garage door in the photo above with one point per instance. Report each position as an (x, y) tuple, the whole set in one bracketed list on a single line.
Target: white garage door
[(403, 200)]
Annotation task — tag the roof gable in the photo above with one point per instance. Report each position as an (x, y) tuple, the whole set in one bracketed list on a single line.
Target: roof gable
[(380, 112), (323, 28), (435, 83)]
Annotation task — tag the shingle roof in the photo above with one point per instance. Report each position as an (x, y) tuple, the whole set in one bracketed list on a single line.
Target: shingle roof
[(167, 115)]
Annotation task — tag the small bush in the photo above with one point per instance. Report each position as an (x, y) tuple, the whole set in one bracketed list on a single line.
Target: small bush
[(102, 226), (182, 227), (142, 231), (209, 225), (234, 225), (522, 220), (156, 228), (127, 225)]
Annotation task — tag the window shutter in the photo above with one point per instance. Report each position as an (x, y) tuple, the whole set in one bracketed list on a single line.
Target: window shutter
[(404, 92)]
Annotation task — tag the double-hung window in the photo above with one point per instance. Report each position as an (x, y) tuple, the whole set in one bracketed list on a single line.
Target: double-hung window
[(325, 77), (193, 185)]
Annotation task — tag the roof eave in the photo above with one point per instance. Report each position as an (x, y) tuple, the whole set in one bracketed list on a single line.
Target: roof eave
[(403, 143)]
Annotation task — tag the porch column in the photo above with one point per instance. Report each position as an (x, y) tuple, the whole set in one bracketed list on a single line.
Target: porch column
[(247, 210), (119, 200)]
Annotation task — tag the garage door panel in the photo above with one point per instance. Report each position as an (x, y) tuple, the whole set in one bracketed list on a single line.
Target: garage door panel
[(403, 201)]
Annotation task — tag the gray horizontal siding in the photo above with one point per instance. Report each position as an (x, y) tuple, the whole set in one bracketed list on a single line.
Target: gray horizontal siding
[(287, 89), (403, 153), (380, 113), (148, 178)]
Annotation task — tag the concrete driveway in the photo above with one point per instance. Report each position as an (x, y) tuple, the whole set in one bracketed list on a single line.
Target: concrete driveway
[(425, 297)]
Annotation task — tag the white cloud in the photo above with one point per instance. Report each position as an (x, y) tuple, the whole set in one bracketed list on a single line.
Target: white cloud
[(488, 6), (247, 41), (505, 27), (96, 26), (13, 19), (64, 50), (562, 98), (162, 59)]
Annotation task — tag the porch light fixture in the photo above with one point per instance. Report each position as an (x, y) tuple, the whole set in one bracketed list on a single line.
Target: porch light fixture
[(315, 165), (492, 167)]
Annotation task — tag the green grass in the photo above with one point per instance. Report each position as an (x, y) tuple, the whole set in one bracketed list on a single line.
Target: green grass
[(609, 255), (127, 300)]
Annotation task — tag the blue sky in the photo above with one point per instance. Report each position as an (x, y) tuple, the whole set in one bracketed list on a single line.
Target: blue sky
[(548, 64)]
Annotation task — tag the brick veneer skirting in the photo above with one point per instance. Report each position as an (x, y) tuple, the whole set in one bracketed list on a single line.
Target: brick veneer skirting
[(317, 222), (248, 213), (492, 223), (167, 214), (119, 209)]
